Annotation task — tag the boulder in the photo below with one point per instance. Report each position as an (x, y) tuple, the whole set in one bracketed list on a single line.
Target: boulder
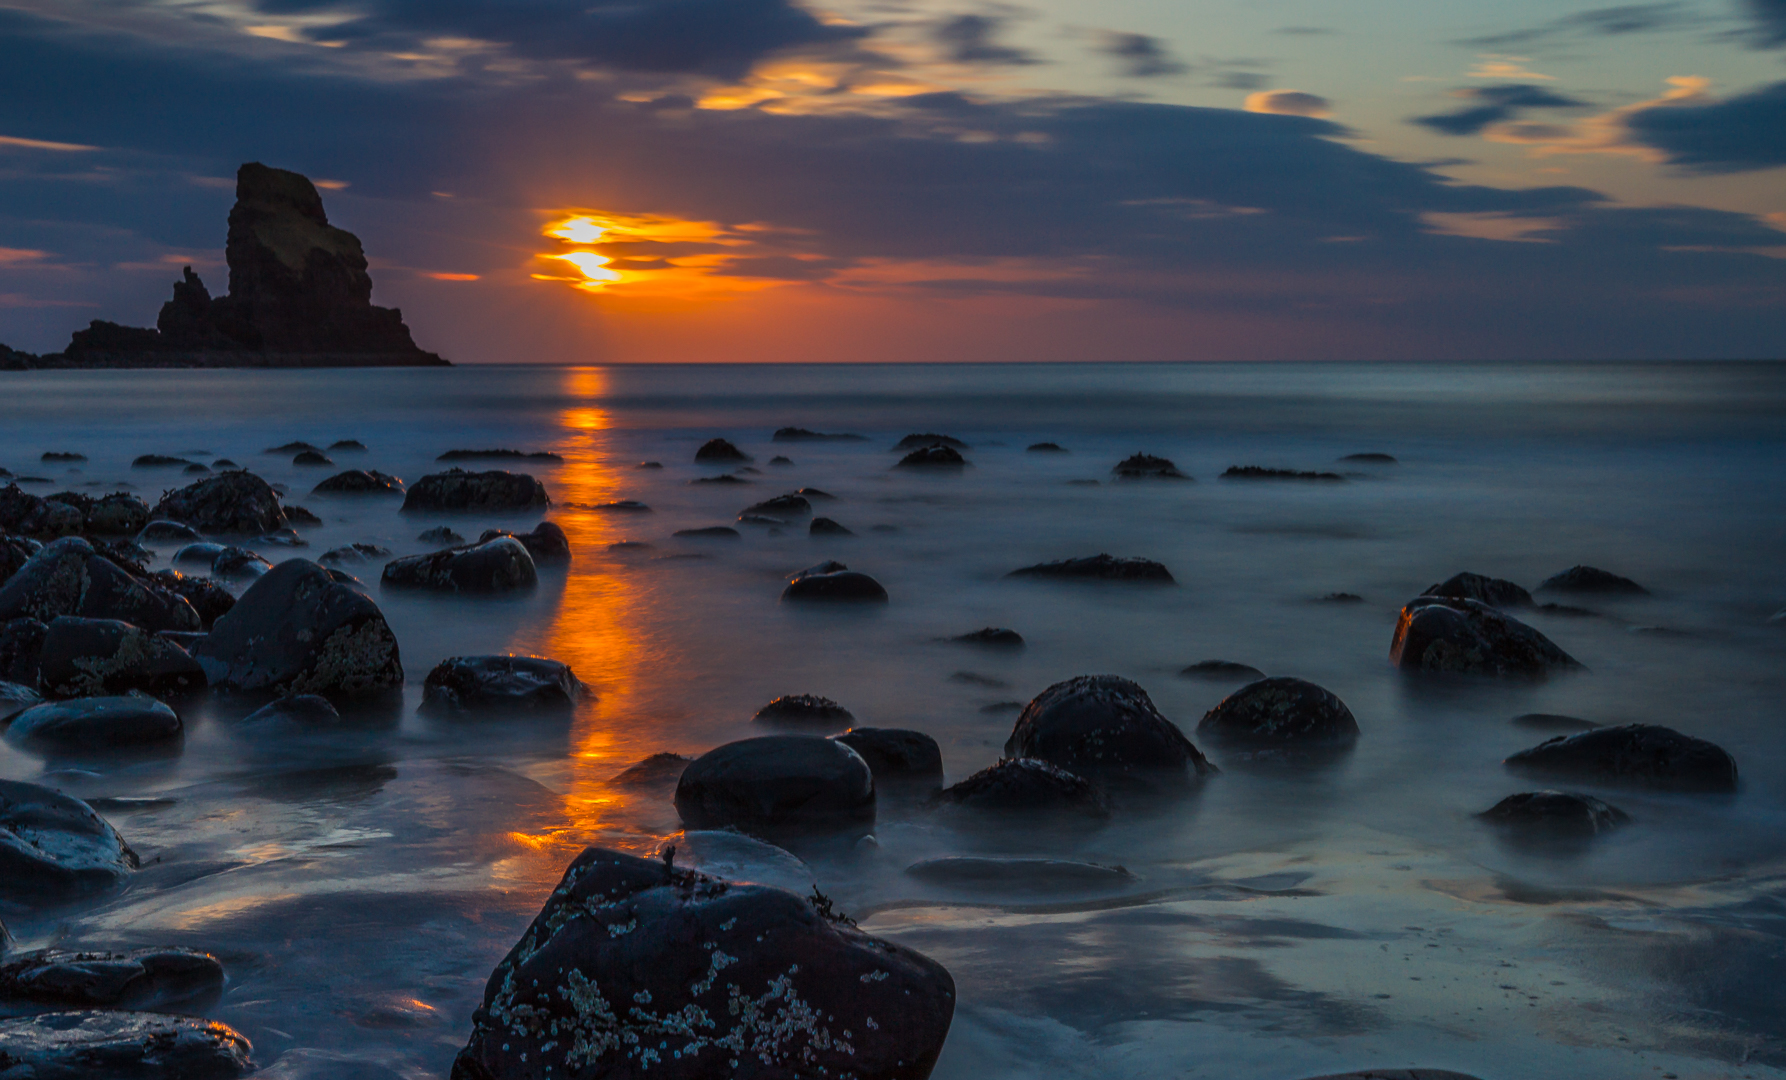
[(95, 1044), (777, 783), (502, 565), (495, 491), (659, 768), (1639, 754), (61, 455), (786, 506), (1279, 712), (102, 657), (1026, 786), (211, 600), (1588, 579), (1258, 472), (1046, 448), (15, 698), (1099, 568), (836, 586), (440, 534), (201, 555), (805, 709), (297, 515), (1106, 728), (546, 543), (95, 725), (359, 482), (1221, 671), (15, 552), (1495, 592), (897, 756), (1147, 467), (21, 644), (824, 526), (130, 556), (311, 457), (500, 684), (354, 553), (347, 444), (999, 636), (915, 442), (637, 968), (117, 514), (1441, 633), (239, 564), (932, 457), (299, 711), (68, 577), (228, 504), (719, 451), (55, 848), (1555, 813), (298, 631), (165, 980)]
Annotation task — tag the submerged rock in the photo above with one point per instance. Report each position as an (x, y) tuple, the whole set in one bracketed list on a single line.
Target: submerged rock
[(932, 457), (777, 783), (1021, 874), (991, 635), (501, 565), (786, 506), (347, 444), (503, 684), (164, 980), (15, 698), (136, 1045), (95, 725), (239, 564), (228, 504), (1279, 712), (55, 848), (202, 554), (1106, 728), (440, 534), (101, 657), (499, 455), (1221, 671), (1588, 579), (495, 491), (1495, 592), (354, 553), (1026, 786), (913, 442), (627, 506), (711, 532), (298, 711), (1561, 813), (154, 461), (1047, 448), (299, 631), (835, 586), (1099, 568), (546, 543), (636, 968), (1644, 754), (68, 577), (799, 434), (1553, 722), (1257, 472), (1372, 458), (805, 709), (824, 526), (719, 450), (812, 494), (1147, 467), (897, 756), (1440, 633), (312, 457), (360, 482), (659, 768)]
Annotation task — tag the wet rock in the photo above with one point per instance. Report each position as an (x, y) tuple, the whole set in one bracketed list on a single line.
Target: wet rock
[(201, 555), (301, 711), (824, 526), (711, 532), (68, 577), (296, 447), (991, 635), (137, 1045), (15, 552), (625, 506), (24, 513), (1047, 448), (719, 451), (224, 463), (164, 980), (1438, 633), (1147, 467), (15, 698), (490, 492), (1279, 713), (440, 534), (21, 643), (298, 631), (499, 455), (777, 783), (196, 469), (932, 457), (1099, 568), (829, 566), (210, 600), (1552, 722), (786, 506), (117, 514), (1020, 874), (55, 848), (53, 455), (230, 504), (1495, 592), (1643, 754), (1256, 472), (798, 434), (758, 519), (805, 709), (915, 442), (360, 482), (103, 657), (634, 964), (781, 459), (1560, 813), (622, 547), (660, 768), (1026, 786), (1588, 579), (546, 543), (502, 565), (835, 586), (500, 684), (239, 564), (152, 461), (1371, 458), (812, 495), (94, 725), (354, 554), (897, 756), (297, 515), (312, 457), (347, 444), (1106, 728), (732, 856), (1221, 671)]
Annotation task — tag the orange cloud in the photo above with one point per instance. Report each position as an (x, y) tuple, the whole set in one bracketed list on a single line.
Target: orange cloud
[(1607, 133), (1288, 103)]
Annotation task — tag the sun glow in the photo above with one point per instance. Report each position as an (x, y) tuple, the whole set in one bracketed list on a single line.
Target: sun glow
[(656, 255)]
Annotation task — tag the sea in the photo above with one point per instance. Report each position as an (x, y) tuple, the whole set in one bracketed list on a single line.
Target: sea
[(1278, 922)]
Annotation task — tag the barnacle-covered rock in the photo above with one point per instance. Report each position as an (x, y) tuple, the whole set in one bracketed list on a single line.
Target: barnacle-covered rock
[(299, 631)]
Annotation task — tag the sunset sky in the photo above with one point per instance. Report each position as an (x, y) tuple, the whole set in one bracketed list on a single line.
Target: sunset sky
[(876, 180)]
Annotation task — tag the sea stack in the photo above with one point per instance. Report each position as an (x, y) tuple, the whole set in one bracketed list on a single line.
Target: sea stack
[(299, 296)]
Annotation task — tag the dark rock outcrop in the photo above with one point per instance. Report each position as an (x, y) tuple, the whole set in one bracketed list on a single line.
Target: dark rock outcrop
[(105, 657), (932, 457), (841, 585), (163, 980), (1026, 786), (299, 631), (999, 636), (824, 526), (1279, 712), (354, 553), (636, 968), (1046, 448), (1147, 467), (1440, 633), (805, 709), (95, 725), (786, 506), (68, 577), (1640, 754), (67, 513), (1106, 728), (202, 555), (312, 457), (1259, 472), (897, 756), (135, 1045), (211, 600), (546, 543), (55, 848), (228, 504), (500, 684), (918, 441), (494, 491), (1556, 813), (775, 784), (1495, 592), (500, 455), (501, 565), (360, 482), (798, 434), (719, 451), (1588, 579), (1099, 568), (1221, 671)]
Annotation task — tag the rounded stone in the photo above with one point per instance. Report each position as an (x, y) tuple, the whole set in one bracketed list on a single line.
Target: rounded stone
[(897, 755), (1026, 786), (805, 709), (837, 586), (1559, 813), (1103, 727), (777, 783), (95, 725), (54, 848), (137, 1045), (501, 565), (500, 684), (1641, 754), (1447, 634), (1279, 712)]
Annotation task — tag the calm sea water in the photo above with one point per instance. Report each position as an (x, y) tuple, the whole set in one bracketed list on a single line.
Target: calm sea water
[(1282, 923)]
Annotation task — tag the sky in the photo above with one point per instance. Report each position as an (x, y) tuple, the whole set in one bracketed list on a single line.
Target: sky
[(632, 181)]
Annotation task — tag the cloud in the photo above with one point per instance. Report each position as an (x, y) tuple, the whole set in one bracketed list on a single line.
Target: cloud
[(1288, 103), (1737, 134), (41, 144), (1497, 66), (1141, 56), (1240, 80), (1598, 22), (1770, 23), (1496, 104), (1305, 31), (968, 39)]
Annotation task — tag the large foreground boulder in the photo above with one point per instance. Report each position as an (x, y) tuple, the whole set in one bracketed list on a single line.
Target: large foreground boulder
[(97, 657), (124, 1045), (95, 725), (158, 979), (1442, 633), (1104, 727), (634, 968), (1280, 713), (1643, 754), (54, 848), (777, 783), (1098, 568), (235, 503), (499, 565), (68, 577), (500, 684), (299, 631), (495, 491)]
